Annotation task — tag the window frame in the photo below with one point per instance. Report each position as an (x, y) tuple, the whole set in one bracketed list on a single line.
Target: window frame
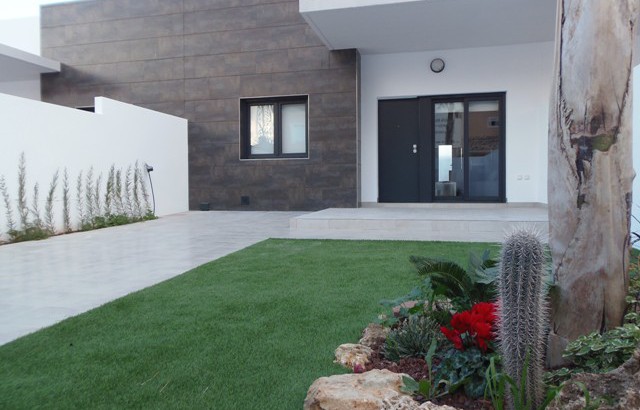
[(278, 103)]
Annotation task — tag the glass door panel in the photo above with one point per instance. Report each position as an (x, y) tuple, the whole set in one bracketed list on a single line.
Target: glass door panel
[(449, 126), (484, 148)]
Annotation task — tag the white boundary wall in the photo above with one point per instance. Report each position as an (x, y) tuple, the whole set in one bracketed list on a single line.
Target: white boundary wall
[(523, 71), (53, 137)]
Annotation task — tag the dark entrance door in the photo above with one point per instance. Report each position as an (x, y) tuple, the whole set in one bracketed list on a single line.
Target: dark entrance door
[(398, 164), (442, 149)]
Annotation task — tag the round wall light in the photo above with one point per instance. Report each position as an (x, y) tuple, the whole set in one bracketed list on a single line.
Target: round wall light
[(437, 65)]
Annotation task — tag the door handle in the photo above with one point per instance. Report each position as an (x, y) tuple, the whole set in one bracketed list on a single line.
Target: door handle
[(415, 148)]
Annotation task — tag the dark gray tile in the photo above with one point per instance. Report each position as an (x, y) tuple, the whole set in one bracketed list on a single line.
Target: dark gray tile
[(157, 91), (212, 110), (308, 58)]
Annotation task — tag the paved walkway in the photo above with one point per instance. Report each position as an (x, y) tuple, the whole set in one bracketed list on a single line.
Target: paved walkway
[(44, 282)]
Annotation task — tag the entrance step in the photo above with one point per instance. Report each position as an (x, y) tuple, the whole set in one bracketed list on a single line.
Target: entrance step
[(468, 223)]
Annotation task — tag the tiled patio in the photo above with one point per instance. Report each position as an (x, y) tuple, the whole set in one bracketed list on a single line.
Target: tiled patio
[(444, 222)]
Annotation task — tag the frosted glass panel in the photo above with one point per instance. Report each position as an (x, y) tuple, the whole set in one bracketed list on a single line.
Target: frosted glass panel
[(294, 127), (262, 129), (484, 148)]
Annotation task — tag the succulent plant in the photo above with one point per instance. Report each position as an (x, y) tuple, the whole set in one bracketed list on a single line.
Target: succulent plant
[(523, 313)]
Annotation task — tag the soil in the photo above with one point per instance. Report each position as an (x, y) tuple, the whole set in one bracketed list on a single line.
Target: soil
[(417, 368)]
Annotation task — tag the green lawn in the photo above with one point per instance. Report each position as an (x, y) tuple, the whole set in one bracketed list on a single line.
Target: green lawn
[(248, 331)]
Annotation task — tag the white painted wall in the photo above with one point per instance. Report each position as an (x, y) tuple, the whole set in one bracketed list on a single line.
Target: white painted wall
[(27, 89), (523, 71), (54, 137)]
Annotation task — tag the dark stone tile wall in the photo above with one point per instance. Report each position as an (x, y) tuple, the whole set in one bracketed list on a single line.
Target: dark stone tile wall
[(196, 59)]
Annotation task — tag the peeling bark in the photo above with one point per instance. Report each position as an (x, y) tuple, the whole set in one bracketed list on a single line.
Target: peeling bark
[(590, 166)]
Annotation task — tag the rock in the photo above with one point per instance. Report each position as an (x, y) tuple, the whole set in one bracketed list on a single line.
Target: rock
[(349, 355), (374, 335), (432, 406), (372, 390), (616, 390)]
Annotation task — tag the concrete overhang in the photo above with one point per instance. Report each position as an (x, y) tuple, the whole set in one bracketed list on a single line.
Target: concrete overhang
[(18, 65), (393, 26)]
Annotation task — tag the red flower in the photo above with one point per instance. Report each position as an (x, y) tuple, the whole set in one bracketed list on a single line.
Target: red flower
[(472, 327), (453, 336), (485, 309)]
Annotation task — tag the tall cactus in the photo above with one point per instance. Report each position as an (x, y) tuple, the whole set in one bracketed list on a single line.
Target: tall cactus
[(523, 312)]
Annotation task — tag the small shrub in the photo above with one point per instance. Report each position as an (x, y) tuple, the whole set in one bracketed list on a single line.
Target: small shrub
[(30, 233), (412, 338)]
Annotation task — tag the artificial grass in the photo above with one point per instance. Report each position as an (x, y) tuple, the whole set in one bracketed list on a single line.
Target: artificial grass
[(250, 330)]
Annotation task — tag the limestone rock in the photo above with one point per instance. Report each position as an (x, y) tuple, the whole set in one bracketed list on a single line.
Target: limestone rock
[(616, 390), (349, 355), (432, 406), (374, 335), (372, 390)]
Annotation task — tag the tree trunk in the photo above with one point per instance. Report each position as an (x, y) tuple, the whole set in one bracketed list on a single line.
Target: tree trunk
[(590, 167)]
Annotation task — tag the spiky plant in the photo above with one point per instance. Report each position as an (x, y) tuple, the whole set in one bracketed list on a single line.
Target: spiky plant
[(35, 209), (97, 201), (108, 192), (23, 209), (127, 193), (412, 338), (117, 193), (88, 197), (80, 201), (66, 210), (137, 205), (48, 207), (8, 211), (523, 313)]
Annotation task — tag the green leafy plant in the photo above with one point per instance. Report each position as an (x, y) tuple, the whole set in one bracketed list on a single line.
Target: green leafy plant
[(464, 368), (413, 338), (463, 287), (601, 353), (598, 353), (426, 388)]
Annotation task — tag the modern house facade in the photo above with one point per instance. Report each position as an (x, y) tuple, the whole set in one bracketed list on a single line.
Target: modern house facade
[(310, 104), (213, 62)]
